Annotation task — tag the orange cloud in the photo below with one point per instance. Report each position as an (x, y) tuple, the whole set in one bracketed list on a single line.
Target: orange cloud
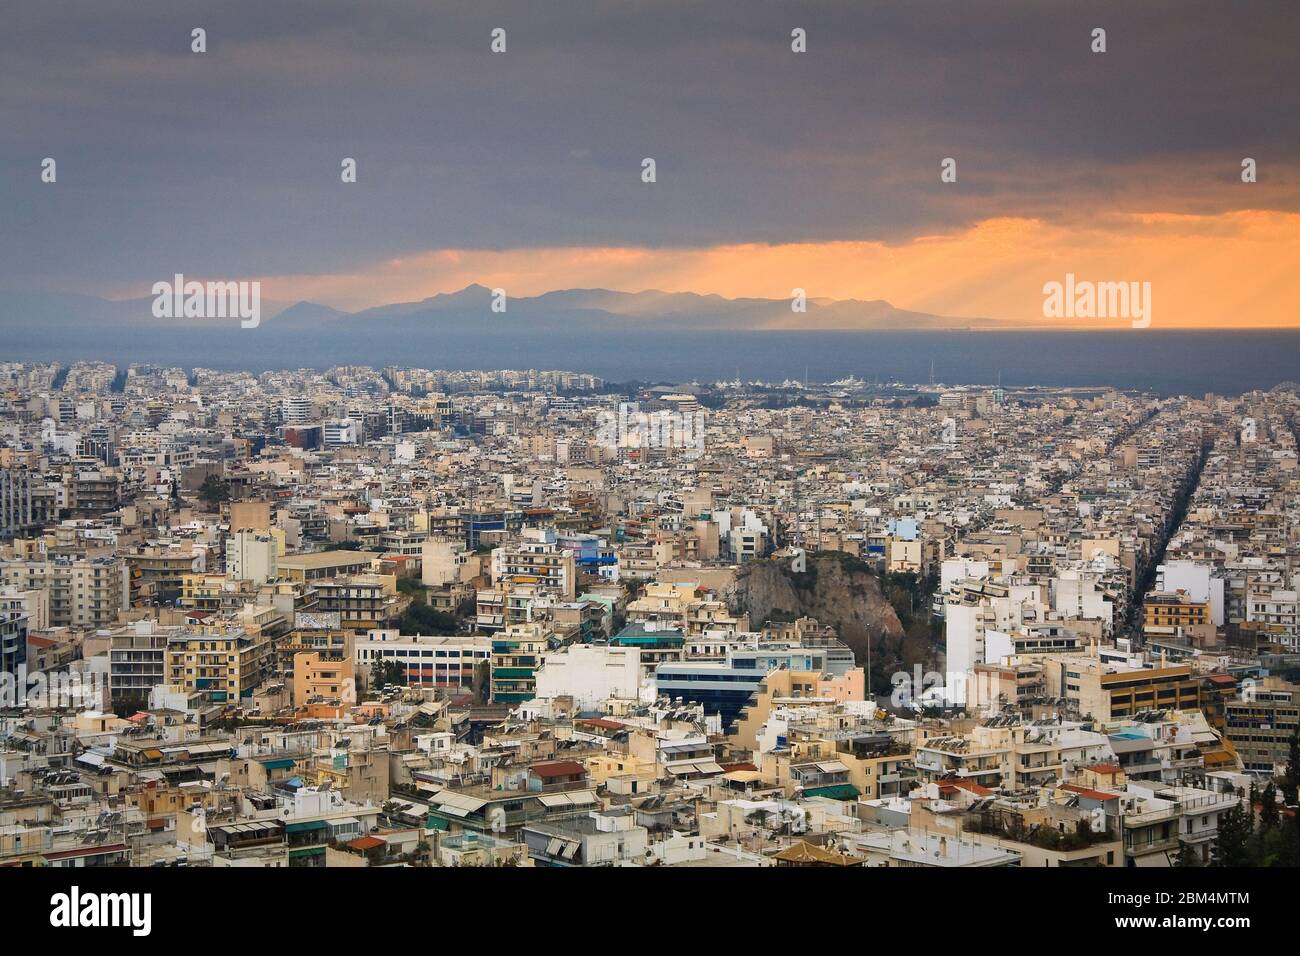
[(1232, 269)]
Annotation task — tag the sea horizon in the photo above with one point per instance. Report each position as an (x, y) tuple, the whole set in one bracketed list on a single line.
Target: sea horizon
[(1164, 362)]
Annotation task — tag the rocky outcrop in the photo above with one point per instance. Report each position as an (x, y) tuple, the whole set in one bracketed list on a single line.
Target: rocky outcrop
[(836, 589)]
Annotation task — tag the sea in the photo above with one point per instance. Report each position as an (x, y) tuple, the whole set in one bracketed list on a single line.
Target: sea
[(1164, 362)]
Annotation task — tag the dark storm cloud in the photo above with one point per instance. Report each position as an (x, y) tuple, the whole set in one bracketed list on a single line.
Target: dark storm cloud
[(227, 163)]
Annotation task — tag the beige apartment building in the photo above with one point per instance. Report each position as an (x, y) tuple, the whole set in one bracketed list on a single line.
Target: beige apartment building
[(229, 665), (1108, 691), (83, 592)]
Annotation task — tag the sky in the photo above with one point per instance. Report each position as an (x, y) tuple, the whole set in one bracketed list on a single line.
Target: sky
[(775, 170)]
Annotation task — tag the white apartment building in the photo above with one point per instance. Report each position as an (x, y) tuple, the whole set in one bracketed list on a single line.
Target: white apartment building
[(974, 610), (442, 562), (297, 410), (429, 661), (539, 560), (1278, 612), (591, 674), (339, 432), (1194, 578), (251, 556)]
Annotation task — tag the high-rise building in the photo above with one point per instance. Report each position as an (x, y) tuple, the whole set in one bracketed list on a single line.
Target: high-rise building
[(251, 556)]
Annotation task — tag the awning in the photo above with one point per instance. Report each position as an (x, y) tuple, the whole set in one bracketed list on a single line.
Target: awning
[(450, 801), (568, 798), (701, 767), (200, 749), (839, 791), (305, 826), (280, 763)]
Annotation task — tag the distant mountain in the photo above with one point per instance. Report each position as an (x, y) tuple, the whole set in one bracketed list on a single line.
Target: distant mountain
[(597, 309), (37, 325)]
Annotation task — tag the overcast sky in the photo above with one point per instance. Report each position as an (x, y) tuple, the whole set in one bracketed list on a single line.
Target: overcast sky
[(774, 169)]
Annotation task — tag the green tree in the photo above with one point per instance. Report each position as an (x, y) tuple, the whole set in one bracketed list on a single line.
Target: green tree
[(1232, 848), (344, 546), (1288, 849), (1290, 779), (1187, 856), (419, 618), (1269, 817), (384, 672), (214, 491)]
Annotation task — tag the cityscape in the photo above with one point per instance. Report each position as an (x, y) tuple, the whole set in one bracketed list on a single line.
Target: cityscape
[(418, 617)]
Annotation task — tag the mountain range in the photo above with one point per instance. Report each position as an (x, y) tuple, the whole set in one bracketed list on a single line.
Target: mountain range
[(568, 310)]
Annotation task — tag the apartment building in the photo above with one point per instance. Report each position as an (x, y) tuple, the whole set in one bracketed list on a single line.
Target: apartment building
[(320, 678), (1274, 615), (590, 674), (20, 511), (137, 659), (454, 663), (1106, 690), (363, 602), (84, 592), (1261, 722), (537, 560), (725, 687), (13, 639), (516, 655), (252, 556), (1177, 616), (228, 666), (325, 564)]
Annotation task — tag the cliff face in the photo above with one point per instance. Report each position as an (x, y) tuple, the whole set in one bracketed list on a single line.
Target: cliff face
[(835, 589)]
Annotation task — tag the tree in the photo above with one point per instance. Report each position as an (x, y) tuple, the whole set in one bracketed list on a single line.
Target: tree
[(1290, 780), (1269, 816), (419, 618), (344, 546), (1187, 856), (384, 672), (214, 491), (1232, 846), (1288, 849)]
